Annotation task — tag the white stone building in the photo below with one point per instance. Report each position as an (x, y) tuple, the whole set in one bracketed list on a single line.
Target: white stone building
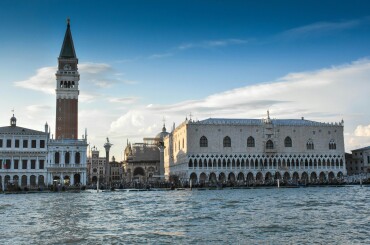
[(23, 156), (255, 150), (67, 163)]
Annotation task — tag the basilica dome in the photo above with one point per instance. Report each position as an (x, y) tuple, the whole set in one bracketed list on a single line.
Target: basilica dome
[(160, 136)]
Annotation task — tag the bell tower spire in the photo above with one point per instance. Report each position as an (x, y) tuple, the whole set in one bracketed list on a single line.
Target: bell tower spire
[(67, 92)]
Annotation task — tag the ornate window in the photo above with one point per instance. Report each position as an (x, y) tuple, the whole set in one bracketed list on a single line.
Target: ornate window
[(310, 145), (250, 142), (227, 141), (203, 141), (288, 142), (332, 145), (269, 145)]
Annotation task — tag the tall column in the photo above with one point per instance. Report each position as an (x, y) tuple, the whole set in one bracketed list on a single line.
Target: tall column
[(107, 147), (161, 161)]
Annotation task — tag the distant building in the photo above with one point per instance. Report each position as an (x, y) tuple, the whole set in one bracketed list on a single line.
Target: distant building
[(97, 169), (67, 153), (359, 161), (144, 162), (23, 156), (116, 172), (261, 150)]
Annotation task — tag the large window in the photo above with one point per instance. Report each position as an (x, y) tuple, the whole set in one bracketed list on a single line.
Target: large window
[(250, 142), (33, 164), (42, 143), (56, 157), (77, 158), (8, 164), (227, 141), (269, 145), (8, 143), (310, 145), (203, 141), (33, 143), (24, 164), (288, 142), (66, 158), (41, 164), (1, 142), (16, 143), (16, 163), (25, 143)]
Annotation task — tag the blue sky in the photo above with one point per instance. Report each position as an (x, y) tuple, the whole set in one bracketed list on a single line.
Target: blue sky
[(137, 55)]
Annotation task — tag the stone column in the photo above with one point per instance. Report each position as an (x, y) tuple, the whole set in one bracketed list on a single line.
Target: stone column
[(107, 147), (61, 158), (2, 182), (161, 161), (72, 179)]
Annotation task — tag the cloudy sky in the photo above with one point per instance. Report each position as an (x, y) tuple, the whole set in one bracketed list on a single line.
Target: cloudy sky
[(142, 61)]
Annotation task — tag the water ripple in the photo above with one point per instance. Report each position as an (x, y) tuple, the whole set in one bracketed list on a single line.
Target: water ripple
[(250, 216)]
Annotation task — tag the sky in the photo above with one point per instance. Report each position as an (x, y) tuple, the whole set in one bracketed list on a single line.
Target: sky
[(145, 62)]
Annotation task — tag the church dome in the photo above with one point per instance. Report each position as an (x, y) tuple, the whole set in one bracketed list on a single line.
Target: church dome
[(160, 136)]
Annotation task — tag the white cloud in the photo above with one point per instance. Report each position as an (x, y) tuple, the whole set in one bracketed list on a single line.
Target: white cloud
[(99, 74), (43, 81), (124, 100), (213, 43), (362, 131), (323, 27), (326, 95), (158, 56), (38, 108)]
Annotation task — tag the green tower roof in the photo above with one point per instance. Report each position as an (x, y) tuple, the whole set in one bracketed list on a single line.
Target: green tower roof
[(68, 50)]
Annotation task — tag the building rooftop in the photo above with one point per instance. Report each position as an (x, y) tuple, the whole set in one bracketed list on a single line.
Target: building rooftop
[(143, 152), (19, 130), (362, 149), (257, 122)]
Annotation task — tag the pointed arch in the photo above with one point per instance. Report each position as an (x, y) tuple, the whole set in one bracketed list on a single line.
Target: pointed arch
[(190, 163), (310, 145), (269, 145)]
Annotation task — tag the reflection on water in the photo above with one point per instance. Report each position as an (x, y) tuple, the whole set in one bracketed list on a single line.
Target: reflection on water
[(275, 216)]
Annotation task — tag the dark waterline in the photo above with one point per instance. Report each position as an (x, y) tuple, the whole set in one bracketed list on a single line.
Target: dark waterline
[(254, 216)]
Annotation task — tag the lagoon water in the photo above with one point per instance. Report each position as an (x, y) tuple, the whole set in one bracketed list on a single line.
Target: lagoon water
[(326, 215)]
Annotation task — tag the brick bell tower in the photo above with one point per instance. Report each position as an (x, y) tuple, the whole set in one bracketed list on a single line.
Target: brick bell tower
[(67, 92)]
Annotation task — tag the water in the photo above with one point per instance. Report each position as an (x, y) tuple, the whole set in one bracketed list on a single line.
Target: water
[(325, 215)]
